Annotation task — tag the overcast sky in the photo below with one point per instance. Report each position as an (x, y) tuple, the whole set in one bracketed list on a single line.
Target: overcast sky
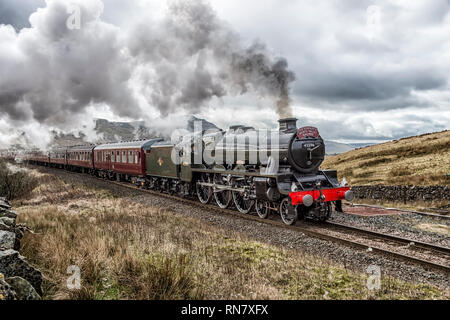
[(364, 70)]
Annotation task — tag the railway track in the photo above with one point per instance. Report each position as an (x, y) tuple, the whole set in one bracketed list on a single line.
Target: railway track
[(405, 248), (425, 254)]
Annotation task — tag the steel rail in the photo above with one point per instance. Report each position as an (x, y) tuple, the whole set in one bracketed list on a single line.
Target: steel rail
[(416, 243)]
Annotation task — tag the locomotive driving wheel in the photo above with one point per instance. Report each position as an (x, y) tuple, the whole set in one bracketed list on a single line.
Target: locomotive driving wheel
[(262, 208), (288, 214), (223, 197), (204, 193), (242, 200)]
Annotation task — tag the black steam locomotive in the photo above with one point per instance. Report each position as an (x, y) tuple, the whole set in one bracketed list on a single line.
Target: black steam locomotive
[(268, 172)]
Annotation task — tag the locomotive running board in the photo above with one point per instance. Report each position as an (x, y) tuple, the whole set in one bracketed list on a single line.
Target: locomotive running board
[(220, 187), (236, 173)]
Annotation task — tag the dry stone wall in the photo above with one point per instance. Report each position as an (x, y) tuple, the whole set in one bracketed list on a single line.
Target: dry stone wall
[(18, 279), (403, 193)]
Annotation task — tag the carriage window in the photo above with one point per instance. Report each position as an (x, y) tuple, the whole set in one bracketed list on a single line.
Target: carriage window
[(136, 157), (124, 157), (113, 156), (130, 156), (118, 156)]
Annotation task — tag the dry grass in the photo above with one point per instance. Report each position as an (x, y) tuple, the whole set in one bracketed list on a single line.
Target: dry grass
[(15, 182), (421, 160), (129, 251)]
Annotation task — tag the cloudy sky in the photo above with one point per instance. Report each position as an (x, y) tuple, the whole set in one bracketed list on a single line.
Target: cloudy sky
[(358, 70)]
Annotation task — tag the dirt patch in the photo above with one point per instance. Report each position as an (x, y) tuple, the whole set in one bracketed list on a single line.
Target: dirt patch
[(369, 211), (437, 228)]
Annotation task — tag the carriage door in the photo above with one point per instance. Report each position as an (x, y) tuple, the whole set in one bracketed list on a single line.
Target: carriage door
[(108, 160)]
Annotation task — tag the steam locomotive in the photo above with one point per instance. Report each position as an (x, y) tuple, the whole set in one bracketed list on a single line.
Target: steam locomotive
[(243, 167)]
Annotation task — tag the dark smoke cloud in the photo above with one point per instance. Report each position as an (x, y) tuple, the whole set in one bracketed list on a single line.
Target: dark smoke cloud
[(255, 67), (52, 73), (197, 57)]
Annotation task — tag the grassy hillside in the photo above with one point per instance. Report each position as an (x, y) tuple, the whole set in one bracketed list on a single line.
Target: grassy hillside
[(421, 160)]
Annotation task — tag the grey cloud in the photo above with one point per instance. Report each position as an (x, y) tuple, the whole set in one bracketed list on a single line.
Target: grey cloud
[(364, 129), (351, 85)]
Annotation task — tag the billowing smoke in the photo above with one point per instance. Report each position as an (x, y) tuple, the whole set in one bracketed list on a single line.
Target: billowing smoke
[(51, 74), (193, 56), (274, 76)]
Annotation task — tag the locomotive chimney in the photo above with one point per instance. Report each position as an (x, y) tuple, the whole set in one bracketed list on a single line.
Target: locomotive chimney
[(288, 124)]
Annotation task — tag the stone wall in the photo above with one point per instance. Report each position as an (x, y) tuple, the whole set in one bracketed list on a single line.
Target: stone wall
[(18, 279), (403, 193)]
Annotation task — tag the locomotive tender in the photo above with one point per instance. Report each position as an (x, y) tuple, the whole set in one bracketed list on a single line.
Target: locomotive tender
[(248, 168)]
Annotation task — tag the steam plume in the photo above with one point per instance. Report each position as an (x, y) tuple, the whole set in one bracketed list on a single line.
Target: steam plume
[(52, 74)]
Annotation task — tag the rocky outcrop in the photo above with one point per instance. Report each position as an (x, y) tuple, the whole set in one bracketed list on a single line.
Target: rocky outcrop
[(18, 279), (23, 289), (6, 292), (7, 240), (403, 193)]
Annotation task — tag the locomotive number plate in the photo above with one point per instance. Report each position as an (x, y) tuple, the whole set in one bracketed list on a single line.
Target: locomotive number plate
[(308, 132)]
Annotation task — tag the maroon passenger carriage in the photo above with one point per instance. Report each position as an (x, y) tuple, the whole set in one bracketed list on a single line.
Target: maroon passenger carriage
[(37, 157), (80, 158), (58, 157), (122, 160)]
